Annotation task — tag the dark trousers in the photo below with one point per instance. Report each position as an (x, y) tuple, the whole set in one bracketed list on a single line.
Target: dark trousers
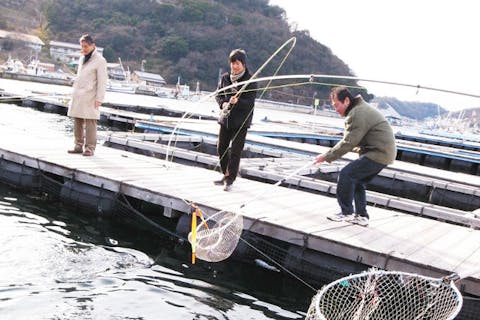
[(351, 185), (230, 159)]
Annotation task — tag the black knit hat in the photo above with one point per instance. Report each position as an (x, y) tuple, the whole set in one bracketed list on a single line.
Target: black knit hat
[(238, 54)]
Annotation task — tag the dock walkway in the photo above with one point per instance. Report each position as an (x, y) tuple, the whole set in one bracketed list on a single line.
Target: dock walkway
[(394, 240)]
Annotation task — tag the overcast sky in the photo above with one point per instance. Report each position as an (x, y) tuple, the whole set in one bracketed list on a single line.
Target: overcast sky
[(419, 42)]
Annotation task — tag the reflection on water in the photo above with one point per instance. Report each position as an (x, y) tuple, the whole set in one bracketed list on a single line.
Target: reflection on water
[(57, 263), (50, 272)]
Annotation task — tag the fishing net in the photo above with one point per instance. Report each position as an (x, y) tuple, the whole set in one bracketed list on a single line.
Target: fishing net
[(217, 237), (376, 295)]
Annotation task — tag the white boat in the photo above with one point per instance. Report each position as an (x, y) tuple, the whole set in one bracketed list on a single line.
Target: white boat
[(121, 86)]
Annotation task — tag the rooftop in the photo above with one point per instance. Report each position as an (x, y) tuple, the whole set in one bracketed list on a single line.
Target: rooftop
[(21, 36)]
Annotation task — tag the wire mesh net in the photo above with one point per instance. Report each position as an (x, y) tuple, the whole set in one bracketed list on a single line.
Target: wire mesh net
[(376, 295), (217, 238)]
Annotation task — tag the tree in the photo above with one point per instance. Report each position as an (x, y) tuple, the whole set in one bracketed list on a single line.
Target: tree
[(174, 47)]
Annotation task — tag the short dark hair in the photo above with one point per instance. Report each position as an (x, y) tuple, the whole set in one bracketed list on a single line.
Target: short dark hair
[(87, 38), (341, 93), (238, 55)]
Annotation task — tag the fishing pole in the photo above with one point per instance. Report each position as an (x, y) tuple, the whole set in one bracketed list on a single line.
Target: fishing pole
[(254, 76), (243, 83), (314, 76)]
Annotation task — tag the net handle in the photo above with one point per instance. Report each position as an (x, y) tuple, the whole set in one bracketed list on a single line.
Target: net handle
[(456, 276), (212, 217), (310, 163)]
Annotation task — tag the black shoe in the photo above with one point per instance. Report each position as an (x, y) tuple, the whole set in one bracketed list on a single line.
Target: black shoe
[(220, 182)]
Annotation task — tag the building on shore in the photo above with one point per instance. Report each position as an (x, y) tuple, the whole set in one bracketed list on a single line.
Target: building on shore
[(7, 38), (147, 78), (67, 52)]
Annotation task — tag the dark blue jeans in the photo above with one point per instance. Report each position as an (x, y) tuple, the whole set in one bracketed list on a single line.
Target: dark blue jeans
[(351, 185)]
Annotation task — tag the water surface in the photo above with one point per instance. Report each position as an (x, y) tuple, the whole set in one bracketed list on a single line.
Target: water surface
[(58, 262)]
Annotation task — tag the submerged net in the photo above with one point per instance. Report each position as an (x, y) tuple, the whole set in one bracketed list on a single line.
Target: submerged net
[(218, 236), (384, 295)]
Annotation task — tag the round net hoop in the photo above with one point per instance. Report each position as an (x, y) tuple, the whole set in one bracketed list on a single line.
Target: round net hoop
[(376, 295), (218, 236)]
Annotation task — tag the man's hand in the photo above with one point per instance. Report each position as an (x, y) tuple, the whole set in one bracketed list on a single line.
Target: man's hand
[(97, 104), (234, 100), (319, 159)]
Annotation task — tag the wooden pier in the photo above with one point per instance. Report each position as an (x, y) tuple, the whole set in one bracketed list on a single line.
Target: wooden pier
[(277, 164), (393, 241), (403, 234)]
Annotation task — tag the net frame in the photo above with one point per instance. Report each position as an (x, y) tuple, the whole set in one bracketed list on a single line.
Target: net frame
[(368, 296), (217, 236), (216, 243)]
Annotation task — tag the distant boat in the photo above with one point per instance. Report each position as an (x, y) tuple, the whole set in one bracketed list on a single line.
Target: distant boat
[(121, 86), (35, 71)]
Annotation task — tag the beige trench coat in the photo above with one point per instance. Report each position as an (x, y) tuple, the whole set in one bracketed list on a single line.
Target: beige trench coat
[(89, 86)]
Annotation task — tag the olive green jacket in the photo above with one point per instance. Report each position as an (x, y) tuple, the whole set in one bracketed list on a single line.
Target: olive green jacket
[(366, 132)]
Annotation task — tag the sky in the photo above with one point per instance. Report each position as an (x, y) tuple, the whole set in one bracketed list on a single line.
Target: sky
[(417, 42)]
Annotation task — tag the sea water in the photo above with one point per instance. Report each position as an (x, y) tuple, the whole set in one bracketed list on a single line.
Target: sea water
[(57, 262)]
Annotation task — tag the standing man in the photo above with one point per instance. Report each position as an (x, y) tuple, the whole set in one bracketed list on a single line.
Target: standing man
[(237, 108), (368, 133), (88, 94)]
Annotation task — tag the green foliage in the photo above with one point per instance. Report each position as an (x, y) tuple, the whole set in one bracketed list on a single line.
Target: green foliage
[(3, 22), (192, 38), (237, 20), (174, 48), (109, 54)]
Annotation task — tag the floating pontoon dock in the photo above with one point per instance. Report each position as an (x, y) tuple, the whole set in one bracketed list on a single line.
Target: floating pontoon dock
[(393, 241)]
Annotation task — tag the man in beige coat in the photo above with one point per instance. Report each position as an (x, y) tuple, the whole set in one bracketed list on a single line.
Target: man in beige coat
[(88, 93)]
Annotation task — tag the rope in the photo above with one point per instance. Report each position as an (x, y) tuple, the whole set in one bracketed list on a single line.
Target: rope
[(278, 183), (149, 221), (244, 87), (278, 264), (242, 90)]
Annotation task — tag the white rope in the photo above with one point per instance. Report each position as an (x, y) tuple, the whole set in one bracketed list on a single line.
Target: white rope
[(243, 83)]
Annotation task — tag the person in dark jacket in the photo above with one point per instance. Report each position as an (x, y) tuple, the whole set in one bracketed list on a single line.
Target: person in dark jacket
[(236, 107), (368, 133)]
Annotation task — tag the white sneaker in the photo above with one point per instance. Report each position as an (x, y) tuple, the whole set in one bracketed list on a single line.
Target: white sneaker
[(360, 220), (340, 217)]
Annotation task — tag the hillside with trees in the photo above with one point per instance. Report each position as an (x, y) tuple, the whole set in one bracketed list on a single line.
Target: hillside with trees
[(191, 39)]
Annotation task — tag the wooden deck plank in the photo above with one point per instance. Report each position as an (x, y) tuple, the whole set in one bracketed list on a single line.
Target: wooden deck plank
[(456, 242)]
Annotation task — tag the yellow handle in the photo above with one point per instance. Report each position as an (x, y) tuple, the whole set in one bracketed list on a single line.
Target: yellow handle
[(194, 234)]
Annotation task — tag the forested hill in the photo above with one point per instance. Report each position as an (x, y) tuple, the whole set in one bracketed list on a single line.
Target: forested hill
[(189, 38)]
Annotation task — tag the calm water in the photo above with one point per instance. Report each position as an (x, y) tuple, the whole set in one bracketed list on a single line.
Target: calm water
[(60, 263)]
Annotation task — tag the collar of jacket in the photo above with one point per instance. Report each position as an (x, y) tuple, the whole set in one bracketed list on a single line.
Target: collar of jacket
[(88, 56), (356, 101)]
